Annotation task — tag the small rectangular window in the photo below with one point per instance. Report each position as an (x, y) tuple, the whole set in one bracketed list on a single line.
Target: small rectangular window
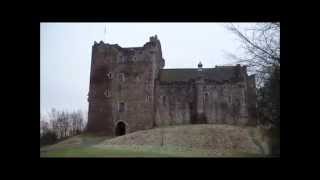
[(148, 98), (109, 75), (121, 77), (121, 107), (205, 97)]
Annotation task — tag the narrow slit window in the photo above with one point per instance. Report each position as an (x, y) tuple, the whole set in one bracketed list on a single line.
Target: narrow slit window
[(205, 97), (107, 93)]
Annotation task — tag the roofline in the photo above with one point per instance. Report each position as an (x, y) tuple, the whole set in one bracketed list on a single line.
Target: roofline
[(197, 68)]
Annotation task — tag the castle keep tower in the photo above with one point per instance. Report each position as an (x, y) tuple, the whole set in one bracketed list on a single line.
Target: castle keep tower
[(121, 92)]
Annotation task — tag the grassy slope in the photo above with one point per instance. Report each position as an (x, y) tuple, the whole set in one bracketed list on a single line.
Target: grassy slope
[(178, 141)]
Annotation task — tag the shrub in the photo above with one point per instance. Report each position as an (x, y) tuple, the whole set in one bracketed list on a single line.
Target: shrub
[(48, 138)]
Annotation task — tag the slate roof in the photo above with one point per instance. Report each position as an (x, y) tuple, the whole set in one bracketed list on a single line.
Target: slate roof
[(218, 74)]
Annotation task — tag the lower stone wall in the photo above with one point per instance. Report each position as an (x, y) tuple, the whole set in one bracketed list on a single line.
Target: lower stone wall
[(173, 105), (223, 104)]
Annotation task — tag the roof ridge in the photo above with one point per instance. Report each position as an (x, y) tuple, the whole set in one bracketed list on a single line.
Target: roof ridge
[(185, 74), (219, 67)]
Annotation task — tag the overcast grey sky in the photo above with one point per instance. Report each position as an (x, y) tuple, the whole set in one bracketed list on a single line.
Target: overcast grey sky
[(65, 53)]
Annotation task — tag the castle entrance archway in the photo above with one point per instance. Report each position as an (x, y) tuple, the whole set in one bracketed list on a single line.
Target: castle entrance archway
[(120, 128)]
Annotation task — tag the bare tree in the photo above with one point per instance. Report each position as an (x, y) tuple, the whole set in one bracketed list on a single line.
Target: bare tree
[(44, 127), (47, 136), (261, 45), (53, 117), (76, 120), (59, 125), (63, 121)]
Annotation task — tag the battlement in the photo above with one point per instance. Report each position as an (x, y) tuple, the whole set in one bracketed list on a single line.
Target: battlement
[(153, 40), (150, 51)]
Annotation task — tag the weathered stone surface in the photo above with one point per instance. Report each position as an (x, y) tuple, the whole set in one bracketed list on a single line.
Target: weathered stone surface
[(130, 86)]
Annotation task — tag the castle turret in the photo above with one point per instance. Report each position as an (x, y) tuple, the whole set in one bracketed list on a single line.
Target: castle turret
[(200, 115), (200, 66)]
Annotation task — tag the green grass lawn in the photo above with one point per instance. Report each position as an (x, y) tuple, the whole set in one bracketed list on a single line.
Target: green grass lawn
[(135, 151), (119, 151), (84, 146), (126, 152), (99, 152)]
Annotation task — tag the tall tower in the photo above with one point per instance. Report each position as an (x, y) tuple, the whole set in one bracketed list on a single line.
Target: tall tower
[(121, 93)]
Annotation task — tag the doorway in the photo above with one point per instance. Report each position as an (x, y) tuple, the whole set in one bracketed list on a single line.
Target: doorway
[(120, 129)]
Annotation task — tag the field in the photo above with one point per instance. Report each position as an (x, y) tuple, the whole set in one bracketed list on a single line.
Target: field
[(175, 141)]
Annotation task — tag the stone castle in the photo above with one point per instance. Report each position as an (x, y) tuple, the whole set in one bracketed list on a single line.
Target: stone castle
[(130, 91)]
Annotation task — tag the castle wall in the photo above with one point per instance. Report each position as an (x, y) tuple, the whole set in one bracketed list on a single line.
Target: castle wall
[(225, 104), (136, 94), (173, 104), (100, 107), (221, 104)]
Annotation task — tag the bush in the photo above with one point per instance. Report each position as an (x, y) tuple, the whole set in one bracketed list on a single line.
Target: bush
[(48, 138)]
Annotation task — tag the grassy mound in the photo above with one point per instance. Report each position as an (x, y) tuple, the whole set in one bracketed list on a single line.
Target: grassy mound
[(196, 140), (174, 141)]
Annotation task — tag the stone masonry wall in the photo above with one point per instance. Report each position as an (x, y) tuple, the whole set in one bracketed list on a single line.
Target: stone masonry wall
[(225, 104), (222, 104), (122, 87), (174, 103)]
